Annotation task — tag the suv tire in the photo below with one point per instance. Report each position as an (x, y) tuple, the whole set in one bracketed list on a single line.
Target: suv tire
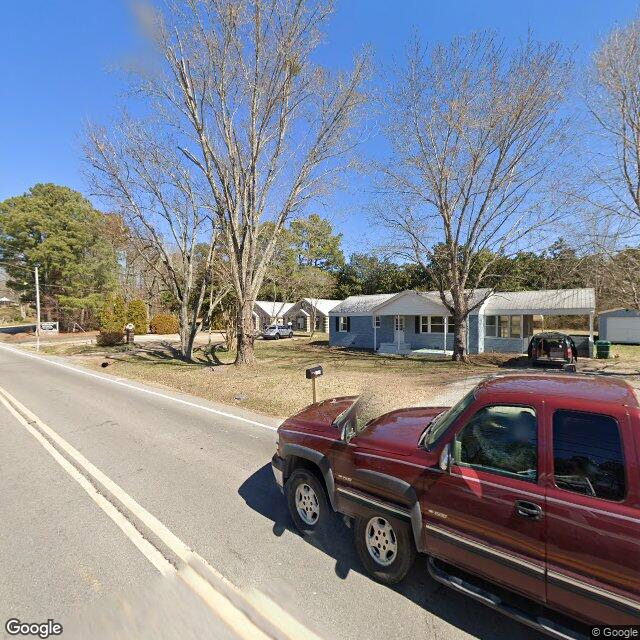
[(277, 336), (385, 547), (307, 501)]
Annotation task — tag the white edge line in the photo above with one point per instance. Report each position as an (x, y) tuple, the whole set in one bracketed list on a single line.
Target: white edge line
[(236, 619), (128, 385)]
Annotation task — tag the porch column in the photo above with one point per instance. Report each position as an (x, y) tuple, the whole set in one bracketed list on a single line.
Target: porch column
[(446, 328), (591, 335), (396, 328), (375, 341)]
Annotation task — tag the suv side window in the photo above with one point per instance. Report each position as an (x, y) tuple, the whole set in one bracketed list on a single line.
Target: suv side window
[(500, 439), (587, 454)]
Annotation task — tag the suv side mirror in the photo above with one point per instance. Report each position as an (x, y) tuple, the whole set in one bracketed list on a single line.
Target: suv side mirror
[(445, 458)]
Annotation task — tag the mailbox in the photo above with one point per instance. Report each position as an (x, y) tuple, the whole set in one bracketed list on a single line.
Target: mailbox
[(314, 372)]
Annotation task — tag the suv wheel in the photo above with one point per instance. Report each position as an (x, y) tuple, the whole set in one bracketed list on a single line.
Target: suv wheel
[(307, 501), (384, 547), (277, 336)]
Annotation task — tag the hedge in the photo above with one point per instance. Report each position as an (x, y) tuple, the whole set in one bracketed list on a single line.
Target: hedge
[(164, 323), (110, 338)]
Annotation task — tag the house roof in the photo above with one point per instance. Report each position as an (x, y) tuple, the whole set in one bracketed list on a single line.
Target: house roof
[(361, 305), (5, 299), (273, 309), (608, 312), (432, 303), (545, 302), (322, 305)]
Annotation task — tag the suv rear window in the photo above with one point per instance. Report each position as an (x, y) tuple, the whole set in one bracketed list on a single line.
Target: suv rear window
[(587, 454)]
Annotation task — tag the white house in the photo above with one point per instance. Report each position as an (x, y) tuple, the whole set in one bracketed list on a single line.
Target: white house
[(266, 312), (310, 312)]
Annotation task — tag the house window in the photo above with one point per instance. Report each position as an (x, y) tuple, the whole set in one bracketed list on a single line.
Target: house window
[(376, 322), (399, 323), (516, 326), (343, 324), (424, 324), (450, 325), (437, 324), (503, 326), (490, 326)]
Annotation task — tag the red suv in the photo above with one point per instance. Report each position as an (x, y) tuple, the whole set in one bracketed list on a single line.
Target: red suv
[(525, 495)]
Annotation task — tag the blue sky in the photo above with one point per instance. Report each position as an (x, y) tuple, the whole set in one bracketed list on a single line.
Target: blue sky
[(56, 56)]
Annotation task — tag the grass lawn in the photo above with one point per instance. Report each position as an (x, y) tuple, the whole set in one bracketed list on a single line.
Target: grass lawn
[(276, 385)]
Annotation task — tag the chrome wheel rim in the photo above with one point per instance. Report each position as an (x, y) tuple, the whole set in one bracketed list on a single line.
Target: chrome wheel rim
[(381, 540), (307, 504)]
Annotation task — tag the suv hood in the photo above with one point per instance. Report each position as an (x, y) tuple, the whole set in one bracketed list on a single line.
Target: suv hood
[(397, 432), (321, 414)]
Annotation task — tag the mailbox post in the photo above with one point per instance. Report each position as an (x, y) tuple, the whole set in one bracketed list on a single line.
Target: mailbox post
[(311, 374), (129, 330)]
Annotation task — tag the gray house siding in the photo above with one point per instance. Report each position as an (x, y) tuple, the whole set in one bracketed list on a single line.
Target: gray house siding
[(503, 345), (476, 334), (360, 334)]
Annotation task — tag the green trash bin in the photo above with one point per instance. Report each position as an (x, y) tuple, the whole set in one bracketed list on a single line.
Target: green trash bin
[(603, 349)]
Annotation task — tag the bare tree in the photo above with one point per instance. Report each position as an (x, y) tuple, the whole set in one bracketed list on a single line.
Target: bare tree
[(613, 100), (137, 168), (266, 128), (474, 129)]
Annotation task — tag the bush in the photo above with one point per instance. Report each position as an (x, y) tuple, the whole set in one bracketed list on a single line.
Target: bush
[(119, 313), (137, 314), (110, 338), (164, 323)]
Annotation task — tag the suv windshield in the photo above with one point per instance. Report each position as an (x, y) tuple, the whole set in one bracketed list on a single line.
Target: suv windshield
[(444, 420)]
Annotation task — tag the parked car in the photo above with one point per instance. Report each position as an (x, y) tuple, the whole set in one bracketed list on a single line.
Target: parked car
[(277, 331), (525, 495), (552, 347)]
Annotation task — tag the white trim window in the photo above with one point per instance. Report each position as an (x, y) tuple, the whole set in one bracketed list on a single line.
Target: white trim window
[(343, 324), (503, 326), (490, 326), (376, 322), (516, 326), (450, 325), (398, 324), (424, 324), (436, 324)]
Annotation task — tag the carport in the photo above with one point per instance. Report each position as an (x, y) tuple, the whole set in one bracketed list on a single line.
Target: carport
[(508, 316)]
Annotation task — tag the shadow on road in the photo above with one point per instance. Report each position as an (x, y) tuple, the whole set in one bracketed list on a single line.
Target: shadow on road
[(260, 493)]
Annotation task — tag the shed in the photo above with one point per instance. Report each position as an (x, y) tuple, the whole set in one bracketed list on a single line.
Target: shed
[(620, 326)]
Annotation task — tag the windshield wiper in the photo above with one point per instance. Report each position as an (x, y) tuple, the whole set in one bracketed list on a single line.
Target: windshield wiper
[(427, 430)]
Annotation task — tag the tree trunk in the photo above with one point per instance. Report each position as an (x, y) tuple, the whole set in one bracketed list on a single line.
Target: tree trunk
[(245, 354), (186, 345), (460, 338)]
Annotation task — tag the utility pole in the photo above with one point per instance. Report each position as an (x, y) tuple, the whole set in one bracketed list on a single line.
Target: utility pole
[(37, 311)]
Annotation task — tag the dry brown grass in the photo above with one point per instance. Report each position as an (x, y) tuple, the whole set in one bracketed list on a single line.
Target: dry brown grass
[(276, 385)]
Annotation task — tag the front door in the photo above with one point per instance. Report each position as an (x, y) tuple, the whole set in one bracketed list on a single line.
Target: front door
[(487, 514), (398, 337)]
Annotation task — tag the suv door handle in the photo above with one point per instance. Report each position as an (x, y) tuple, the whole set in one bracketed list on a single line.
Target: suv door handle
[(529, 510)]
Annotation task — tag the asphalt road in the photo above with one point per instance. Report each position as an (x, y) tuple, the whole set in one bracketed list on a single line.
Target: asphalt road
[(205, 474)]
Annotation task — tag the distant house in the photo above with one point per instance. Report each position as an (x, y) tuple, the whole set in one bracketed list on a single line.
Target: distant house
[(414, 320), (6, 302), (266, 312), (310, 312)]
